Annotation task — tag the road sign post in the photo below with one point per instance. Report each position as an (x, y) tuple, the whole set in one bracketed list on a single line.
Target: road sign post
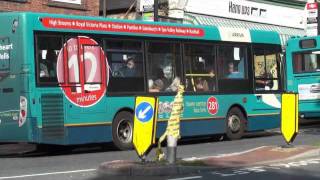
[(289, 116), (144, 124)]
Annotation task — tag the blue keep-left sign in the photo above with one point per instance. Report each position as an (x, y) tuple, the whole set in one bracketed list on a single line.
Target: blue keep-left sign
[(144, 112)]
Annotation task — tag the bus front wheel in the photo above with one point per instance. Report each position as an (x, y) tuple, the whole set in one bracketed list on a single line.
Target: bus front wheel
[(122, 130), (235, 124)]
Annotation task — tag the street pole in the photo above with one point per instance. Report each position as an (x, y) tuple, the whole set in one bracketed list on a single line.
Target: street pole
[(171, 149), (104, 8), (155, 10)]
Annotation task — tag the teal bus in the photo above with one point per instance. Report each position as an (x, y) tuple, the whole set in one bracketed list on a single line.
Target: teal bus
[(67, 80), (303, 74)]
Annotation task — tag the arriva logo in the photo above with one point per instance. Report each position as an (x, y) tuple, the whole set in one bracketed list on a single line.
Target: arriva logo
[(236, 34)]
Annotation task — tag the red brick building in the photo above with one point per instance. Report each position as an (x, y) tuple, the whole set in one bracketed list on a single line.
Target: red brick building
[(78, 7)]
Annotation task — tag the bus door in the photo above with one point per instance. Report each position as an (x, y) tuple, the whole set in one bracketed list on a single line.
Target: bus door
[(267, 77)]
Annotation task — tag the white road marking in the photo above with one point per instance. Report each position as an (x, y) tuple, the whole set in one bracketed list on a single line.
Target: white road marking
[(265, 168), (45, 174), (187, 178), (222, 155), (222, 174), (239, 153)]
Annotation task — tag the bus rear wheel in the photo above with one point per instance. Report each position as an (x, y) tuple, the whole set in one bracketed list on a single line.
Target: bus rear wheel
[(235, 124), (122, 130)]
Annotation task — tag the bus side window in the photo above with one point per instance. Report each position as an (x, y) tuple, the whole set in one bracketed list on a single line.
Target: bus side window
[(233, 61), (306, 62), (164, 66), (126, 61), (47, 51), (199, 63), (266, 69)]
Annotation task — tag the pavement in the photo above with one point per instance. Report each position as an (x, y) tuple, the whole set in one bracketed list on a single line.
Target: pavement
[(257, 156)]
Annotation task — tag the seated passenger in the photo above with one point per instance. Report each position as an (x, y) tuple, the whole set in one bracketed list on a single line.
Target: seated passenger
[(159, 75), (51, 58), (233, 74), (156, 86), (43, 70), (130, 69), (201, 84), (174, 85), (264, 82)]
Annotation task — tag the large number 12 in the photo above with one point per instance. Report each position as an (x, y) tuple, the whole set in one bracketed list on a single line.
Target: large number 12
[(73, 62)]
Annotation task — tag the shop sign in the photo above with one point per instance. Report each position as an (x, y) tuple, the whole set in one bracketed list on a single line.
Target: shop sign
[(311, 24), (248, 11)]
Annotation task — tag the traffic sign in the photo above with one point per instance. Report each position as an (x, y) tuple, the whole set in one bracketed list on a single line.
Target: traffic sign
[(289, 116), (144, 112), (144, 124)]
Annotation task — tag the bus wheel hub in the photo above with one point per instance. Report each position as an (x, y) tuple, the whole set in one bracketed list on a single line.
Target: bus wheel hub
[(124, 131), (234, 123)]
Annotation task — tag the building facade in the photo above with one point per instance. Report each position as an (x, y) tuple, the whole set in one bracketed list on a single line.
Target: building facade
[(287, 21), (299, 4), (77, 7), (282, 16)]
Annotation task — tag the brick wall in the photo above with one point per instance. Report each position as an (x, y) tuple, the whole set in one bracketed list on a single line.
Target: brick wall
[(88, 7)]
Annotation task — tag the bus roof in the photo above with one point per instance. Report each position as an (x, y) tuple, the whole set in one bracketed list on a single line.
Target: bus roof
[(101, 25)]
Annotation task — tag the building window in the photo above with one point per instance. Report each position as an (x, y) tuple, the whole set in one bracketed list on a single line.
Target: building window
[(72, 4), (199, 68)]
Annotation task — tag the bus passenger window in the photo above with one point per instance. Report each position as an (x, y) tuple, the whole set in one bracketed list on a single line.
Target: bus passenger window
[(306, 62), (130, 68), (232, 60), (47, 51), (199, 61), (164, 68), (266, 69), (48, 63), (126, 65)]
